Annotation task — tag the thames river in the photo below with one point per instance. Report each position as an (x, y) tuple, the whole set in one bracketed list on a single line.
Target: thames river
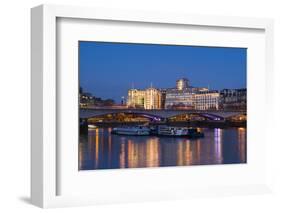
[(102, 150)]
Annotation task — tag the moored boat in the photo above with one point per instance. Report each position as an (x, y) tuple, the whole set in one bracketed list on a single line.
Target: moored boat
[(195, 133), (134, 130), (91, 126), (164, 130)]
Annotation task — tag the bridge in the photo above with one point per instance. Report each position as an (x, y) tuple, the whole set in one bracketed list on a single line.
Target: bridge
[(161, 114)]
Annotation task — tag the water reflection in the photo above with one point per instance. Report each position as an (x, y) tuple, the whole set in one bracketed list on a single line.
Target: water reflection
[(101, 150), (242, 143), (218, 144)]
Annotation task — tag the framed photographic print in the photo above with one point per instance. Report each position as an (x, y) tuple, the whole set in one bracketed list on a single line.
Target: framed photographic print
[(132, 106)]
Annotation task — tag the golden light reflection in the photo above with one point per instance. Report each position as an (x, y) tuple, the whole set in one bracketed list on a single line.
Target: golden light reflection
[(90, 145), (184, 154), (97, 148), (198, 150), (122, 155), (109, 145), (152, 152), (101, 139), (242, 144), (180, 154), (80, 156), (133, 154), (188, 153)]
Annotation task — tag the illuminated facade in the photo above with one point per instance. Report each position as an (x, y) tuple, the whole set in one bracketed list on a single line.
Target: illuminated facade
[(147, 99), (184, 96), (233, 99), (207, 100), (199, 89), (179, 99), (182, 84), (136, 98), (152, 99)]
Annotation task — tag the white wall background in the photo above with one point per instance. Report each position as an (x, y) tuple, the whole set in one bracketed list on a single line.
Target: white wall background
[(15, 99)]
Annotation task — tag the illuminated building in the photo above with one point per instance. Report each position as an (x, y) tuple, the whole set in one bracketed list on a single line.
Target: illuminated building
[(136, 98), (163, 98), (147, 99), (199, 89), (182, 83), (179, 99), (207, 100), (233, 99), (86, 99), (184, 96), (152, 98)]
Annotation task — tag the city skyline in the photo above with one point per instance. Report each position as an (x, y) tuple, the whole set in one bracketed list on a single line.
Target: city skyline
[(121, 66), (182, 105)]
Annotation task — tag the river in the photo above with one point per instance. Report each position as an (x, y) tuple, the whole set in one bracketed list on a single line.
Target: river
[(102, 150)]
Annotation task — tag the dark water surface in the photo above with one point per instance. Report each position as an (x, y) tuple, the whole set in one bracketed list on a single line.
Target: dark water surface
[(101, 150)]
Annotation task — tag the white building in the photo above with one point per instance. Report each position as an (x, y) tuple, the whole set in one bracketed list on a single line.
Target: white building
[(208, 100)]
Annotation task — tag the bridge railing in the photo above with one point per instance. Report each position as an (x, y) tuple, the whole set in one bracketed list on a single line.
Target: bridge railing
[(158, 110)]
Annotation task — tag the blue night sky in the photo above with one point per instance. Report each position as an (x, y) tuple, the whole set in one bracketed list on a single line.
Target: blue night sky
[(108, 70)]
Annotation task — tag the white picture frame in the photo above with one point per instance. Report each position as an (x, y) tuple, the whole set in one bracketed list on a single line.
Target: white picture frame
[(45, 171)]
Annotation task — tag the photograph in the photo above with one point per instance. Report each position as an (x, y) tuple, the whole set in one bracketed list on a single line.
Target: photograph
[(145, 105)]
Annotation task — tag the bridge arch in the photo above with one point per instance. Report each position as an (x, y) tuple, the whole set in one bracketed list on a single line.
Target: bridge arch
[(238, 117), (208, 116), (161, 114), (149, 116)]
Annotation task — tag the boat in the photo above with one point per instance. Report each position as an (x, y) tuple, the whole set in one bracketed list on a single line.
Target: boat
[(91, 126), (195, 133), (164, 130), (131, 130)]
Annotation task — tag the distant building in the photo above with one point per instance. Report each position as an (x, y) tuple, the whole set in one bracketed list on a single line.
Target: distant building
[(123, 101), (233, 99), (152, 98), (136, 98), (184, 96), (146, 99), (182, 84), (86, 99), (206, 100), (199, 89), (163, 97), (179, 99)]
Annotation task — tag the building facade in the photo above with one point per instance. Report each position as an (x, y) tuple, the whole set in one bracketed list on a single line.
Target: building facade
[(182, 83), (144, 99), (179, 99), (206, 100), (233, 99), (152, 99), (184, 96), (136, 98)]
